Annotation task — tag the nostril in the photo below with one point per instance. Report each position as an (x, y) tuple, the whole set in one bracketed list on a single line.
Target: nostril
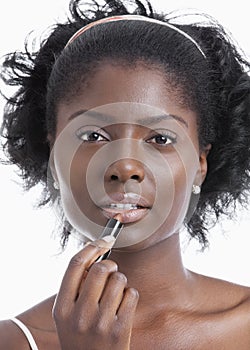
[(124, 170), (135, 177)]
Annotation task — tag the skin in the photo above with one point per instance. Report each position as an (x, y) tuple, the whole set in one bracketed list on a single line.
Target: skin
[(163, 305)]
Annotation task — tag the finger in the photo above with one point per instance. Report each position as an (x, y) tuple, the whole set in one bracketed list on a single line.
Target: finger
[(74, 273), (95, 282), (112, 295), (128, 306)]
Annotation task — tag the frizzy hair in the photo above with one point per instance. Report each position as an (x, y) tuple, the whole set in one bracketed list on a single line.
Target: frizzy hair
[(220, 95)]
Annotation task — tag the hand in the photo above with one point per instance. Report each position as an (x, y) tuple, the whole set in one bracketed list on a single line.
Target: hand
[(94, 308)]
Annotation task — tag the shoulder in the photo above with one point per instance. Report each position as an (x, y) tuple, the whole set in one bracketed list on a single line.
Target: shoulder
[(12, 337), (38, 320), (237, 315), (224, 307), (39, 316), (227, 293), (225, 298)]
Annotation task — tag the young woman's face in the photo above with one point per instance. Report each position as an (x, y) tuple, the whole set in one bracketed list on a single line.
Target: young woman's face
[(126, 144)]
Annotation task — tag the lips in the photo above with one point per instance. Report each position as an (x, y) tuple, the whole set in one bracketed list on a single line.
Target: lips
[(130, 206), (127, 216)]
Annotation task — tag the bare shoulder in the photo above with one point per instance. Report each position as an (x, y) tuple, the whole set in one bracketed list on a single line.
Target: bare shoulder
[(39, 316), (225, 297), (229, 293), (38, 320), (11, 337), (236, 314), (224, 308)]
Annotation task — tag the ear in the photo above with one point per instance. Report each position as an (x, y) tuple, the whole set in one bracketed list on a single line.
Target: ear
[(203, 161), (52, 167), (51, 158)]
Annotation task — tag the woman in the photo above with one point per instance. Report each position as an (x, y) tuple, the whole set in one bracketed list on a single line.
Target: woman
[(135, 118)]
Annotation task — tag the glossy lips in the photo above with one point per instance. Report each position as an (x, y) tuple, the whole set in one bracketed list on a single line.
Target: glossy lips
[(130, 206)]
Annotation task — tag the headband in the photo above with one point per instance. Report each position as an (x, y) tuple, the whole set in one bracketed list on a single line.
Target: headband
[(133, 18)]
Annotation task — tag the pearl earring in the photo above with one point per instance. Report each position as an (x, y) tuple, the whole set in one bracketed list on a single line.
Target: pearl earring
[(56, 185), (196, 189)]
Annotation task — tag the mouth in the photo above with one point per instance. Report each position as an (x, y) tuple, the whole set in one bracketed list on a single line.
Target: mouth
[(130, 211)]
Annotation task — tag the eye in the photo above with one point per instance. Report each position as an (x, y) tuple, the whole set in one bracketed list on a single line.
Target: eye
[(92, 134), (163, 138)]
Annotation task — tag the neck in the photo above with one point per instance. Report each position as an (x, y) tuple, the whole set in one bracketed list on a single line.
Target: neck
[(157, 273)]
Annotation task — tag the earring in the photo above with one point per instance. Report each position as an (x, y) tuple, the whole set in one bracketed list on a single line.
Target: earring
[(56, 185), (196, 189)]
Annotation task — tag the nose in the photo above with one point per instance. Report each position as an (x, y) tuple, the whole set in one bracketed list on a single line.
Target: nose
[(124, 170)]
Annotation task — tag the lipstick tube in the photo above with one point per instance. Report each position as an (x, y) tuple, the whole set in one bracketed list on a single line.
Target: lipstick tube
[(112, 228)]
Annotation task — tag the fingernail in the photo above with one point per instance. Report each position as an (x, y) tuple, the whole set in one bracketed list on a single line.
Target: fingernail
[(109, 239), (105, 242)]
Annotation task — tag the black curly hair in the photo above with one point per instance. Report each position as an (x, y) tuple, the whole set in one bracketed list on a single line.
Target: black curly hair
[(220, 94)]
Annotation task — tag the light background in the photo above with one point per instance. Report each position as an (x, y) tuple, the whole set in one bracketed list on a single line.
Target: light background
[(30, 267)]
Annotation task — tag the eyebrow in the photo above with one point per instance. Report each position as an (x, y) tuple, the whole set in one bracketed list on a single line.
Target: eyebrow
[(143, 121)]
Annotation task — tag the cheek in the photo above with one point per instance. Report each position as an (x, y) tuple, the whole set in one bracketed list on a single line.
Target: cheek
[(182, 189), (183, 177), (78, 185), (78, 169), (183, 171), (77, 205)]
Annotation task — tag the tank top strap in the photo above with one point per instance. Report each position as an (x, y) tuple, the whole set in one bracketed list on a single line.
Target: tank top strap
[(26, 332)]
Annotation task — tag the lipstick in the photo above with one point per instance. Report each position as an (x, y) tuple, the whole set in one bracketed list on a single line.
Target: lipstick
[(112, 228)]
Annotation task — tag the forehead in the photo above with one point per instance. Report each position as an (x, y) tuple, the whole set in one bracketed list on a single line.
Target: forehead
[(114, 83), (139, 82)]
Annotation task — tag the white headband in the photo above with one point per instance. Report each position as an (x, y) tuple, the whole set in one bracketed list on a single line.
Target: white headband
[(136, 18)]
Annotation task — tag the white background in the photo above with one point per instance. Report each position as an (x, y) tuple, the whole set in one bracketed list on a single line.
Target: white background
[(30, 267)]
